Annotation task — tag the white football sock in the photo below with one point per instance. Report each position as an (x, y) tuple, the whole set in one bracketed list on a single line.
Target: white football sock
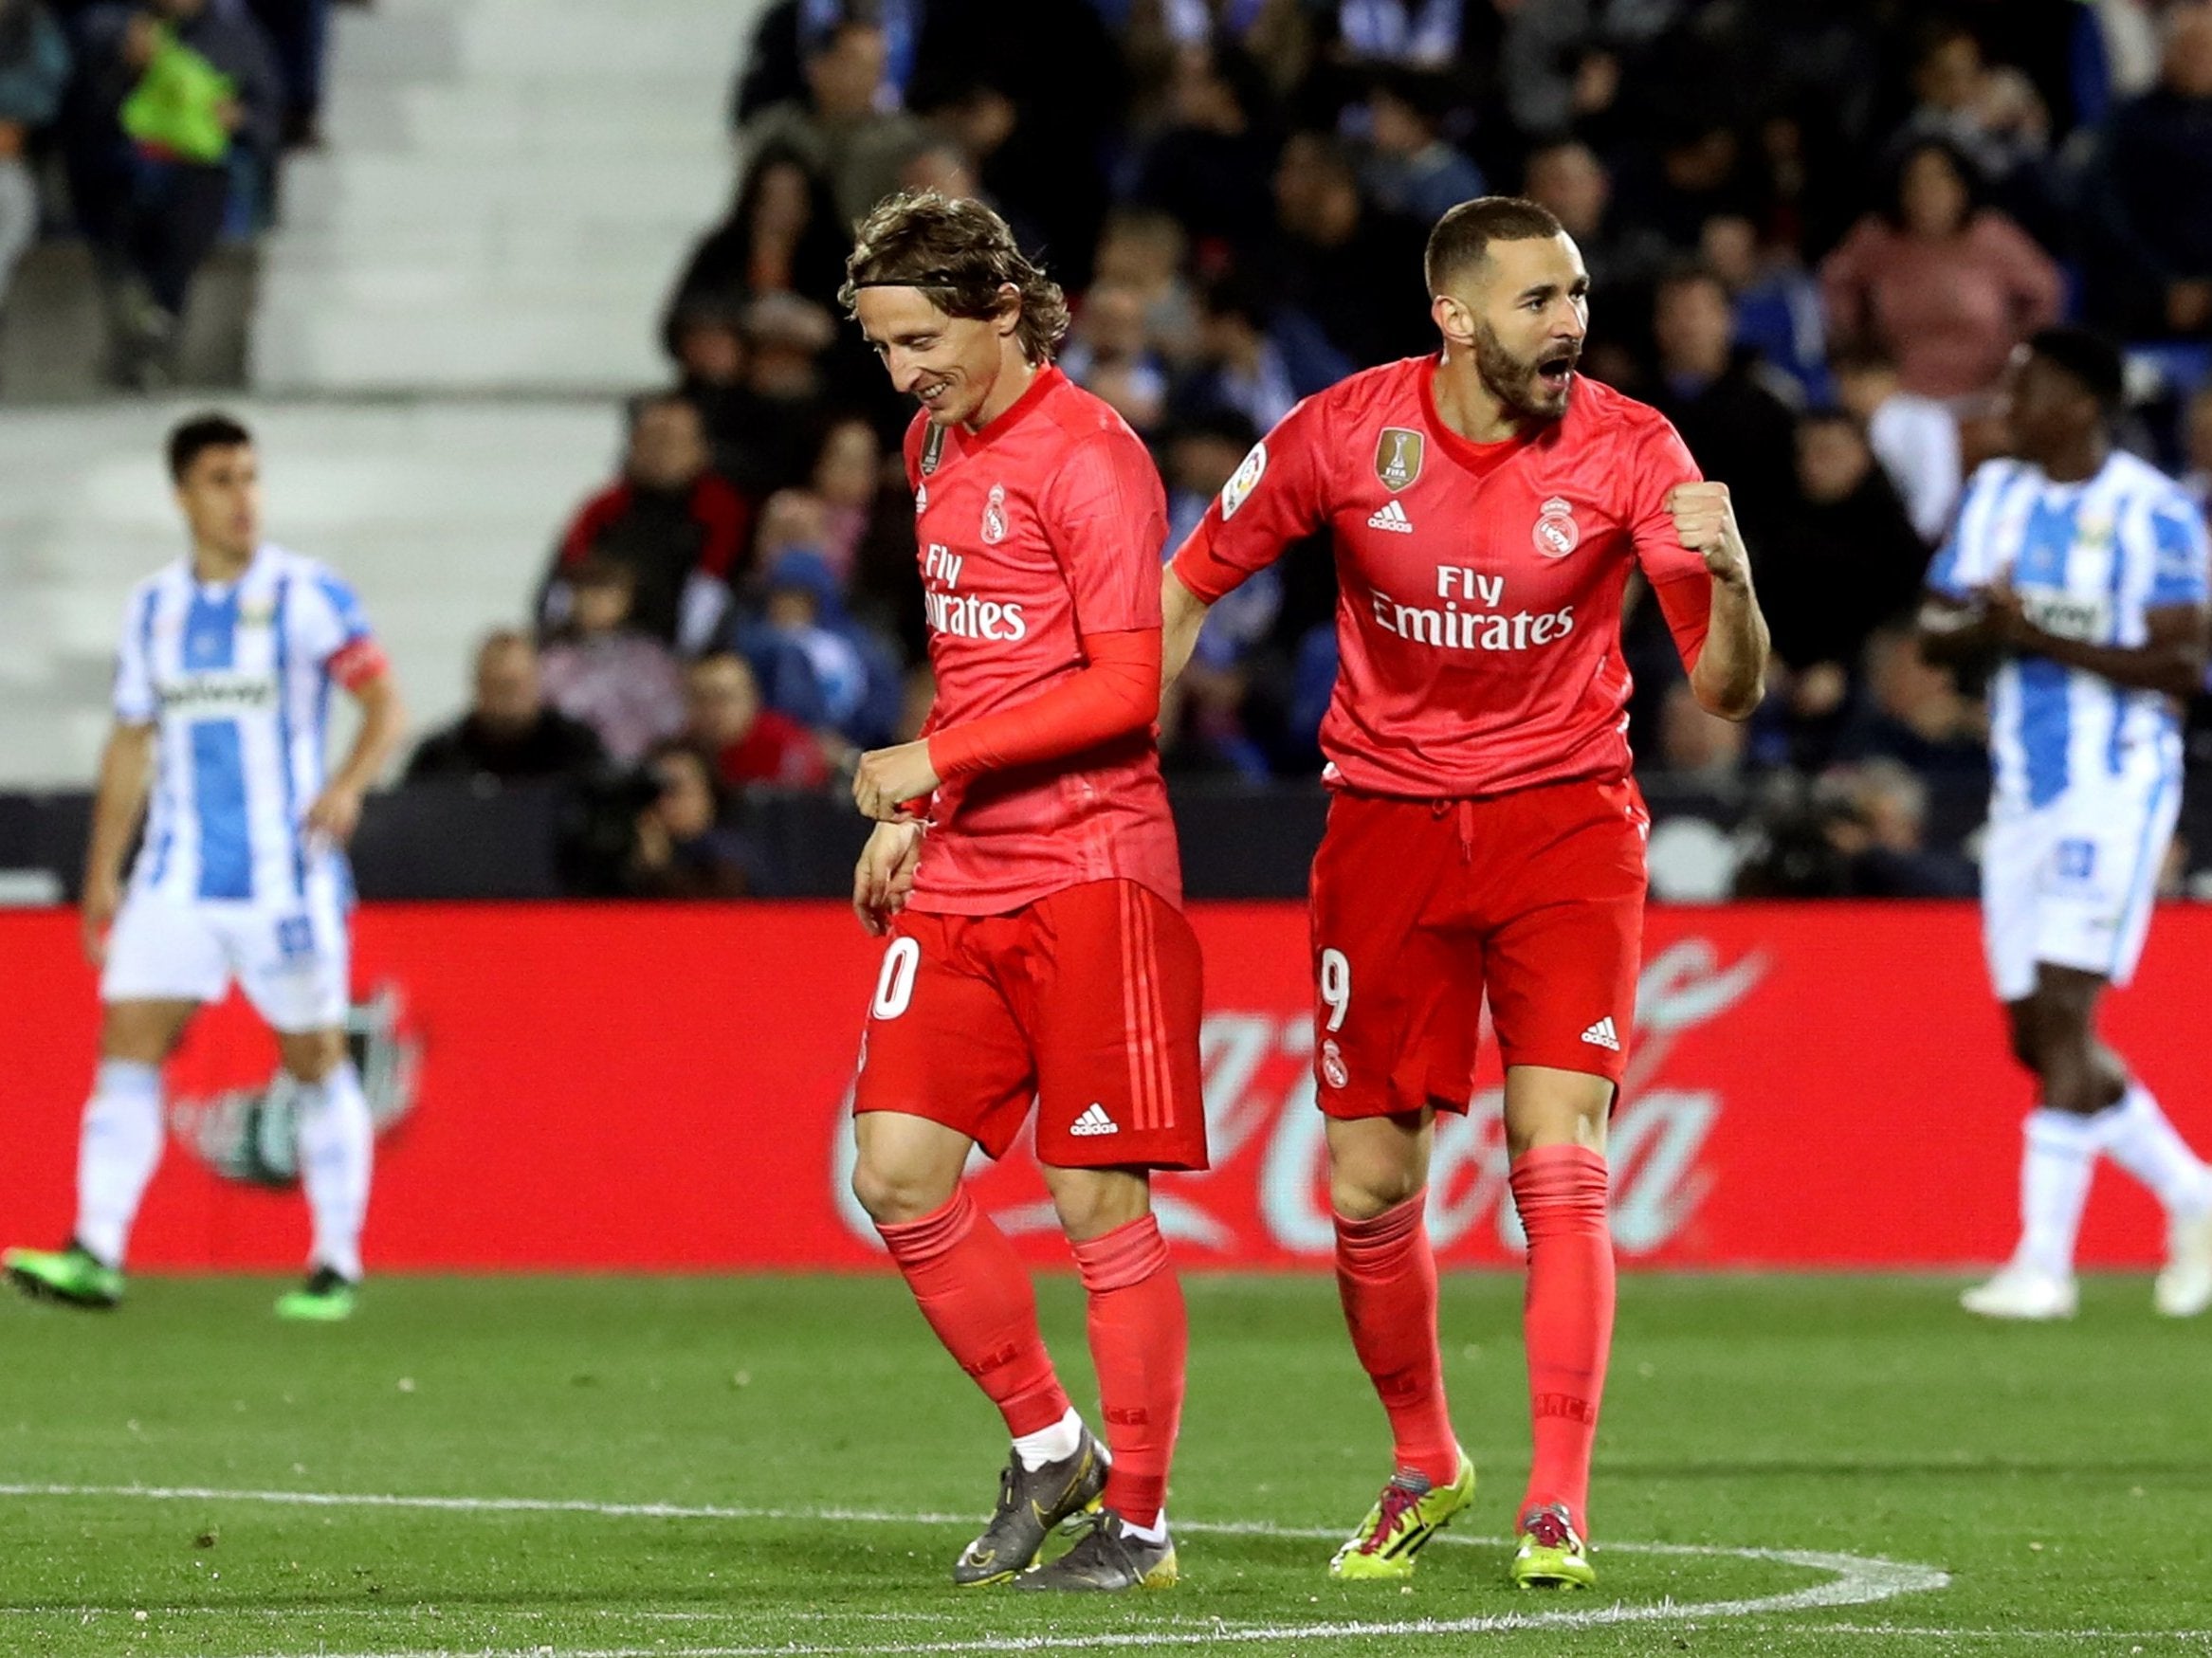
[(1050, 1445), (2054, 1184), (1155, 1533), (116, 1155), (2137, 1136), (337, 1151)]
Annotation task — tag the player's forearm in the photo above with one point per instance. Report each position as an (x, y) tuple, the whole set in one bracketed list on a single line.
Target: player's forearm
[(1730, 676), (125, 772), (1116, 696), (383, 724), (1183, 613), (2176, 667)]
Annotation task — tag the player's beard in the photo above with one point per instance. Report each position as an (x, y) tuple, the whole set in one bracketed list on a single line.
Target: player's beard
[(1513, 380)]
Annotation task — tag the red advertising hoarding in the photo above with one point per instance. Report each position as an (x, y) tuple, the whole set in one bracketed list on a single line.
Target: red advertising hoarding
[(628, 1086)]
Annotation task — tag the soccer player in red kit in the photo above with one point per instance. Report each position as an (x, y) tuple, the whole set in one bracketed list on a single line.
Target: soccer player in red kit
[(1486, 508), (1025, 868)]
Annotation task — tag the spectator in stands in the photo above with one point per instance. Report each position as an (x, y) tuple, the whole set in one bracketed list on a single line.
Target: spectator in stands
[(1991, 113), (682, 850), (747, 741), (1143, 251), (1239, 367), (509, 734), (1109, 354), (1696, 747), (814, 662), (780, 236), (943, 164), (1777, 303), (836, 127), (1944, 284), (1201, 454), (774, 66), (299, 36), (1728, 407), (679, 528), (1880, 828), (847, 479), (1336, 266), (602, 669), (1846, 559), (34, 67), (2150, 259), (1915, 438), (1410, 168), (1912, 712), (1623, 258), (2196, 451), (177, 101), (773, 420), (1207, 167)]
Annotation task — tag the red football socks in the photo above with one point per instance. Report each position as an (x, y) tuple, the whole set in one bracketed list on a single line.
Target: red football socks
[(1138, 1341), (1386, 1275), (976, 1294), (1567, 1317)]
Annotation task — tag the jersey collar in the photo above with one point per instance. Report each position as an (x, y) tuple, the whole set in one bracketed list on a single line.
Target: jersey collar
[(1040, 386), (1479, 459)]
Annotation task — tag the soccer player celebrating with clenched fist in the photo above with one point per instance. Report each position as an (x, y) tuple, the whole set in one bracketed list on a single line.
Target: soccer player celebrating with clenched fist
[(1486, 507), (1024, 867)]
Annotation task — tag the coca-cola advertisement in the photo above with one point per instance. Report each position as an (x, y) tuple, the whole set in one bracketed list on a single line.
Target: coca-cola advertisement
[(669, 1087)]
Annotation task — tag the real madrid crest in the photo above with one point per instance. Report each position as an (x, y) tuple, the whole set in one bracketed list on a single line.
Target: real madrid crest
[(1398, 457), (995, 516), (1556, 534)]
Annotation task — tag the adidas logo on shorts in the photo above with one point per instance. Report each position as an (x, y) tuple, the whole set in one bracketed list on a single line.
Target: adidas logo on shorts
[(1094, 1120), (1603, 1034), (1392, 518)]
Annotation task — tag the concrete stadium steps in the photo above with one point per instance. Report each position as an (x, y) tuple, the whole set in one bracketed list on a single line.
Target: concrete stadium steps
[(509, 189), (441, 514)]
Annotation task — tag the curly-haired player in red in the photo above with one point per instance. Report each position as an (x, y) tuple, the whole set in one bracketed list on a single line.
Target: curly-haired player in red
[(1486, 508), (1024, 867)]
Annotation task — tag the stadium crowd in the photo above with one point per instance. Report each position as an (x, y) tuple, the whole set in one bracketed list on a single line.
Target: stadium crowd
[(1816, 233), (153, 128)]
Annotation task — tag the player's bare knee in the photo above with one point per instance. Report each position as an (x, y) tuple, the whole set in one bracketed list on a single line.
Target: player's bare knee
[(141, 1032), (1093, 1202), (894, 1196), (1362, 1187)]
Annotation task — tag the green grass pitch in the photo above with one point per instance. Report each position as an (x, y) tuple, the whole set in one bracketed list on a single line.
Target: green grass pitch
[(692, 1466)]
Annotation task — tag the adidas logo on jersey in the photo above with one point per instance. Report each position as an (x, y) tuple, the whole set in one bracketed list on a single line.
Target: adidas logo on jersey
[(1094, 1120), (1603, 1034), (1392, 518)]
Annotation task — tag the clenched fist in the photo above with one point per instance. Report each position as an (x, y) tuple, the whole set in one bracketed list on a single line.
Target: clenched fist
[(1705, 524), (887, 778)]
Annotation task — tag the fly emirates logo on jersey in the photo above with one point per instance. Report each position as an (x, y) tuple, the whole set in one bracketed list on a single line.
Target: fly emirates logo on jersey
[(1469, 613), (964, 615)]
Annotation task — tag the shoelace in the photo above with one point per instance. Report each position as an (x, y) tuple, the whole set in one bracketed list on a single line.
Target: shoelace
[(1550, 1528), (1397, 1499)]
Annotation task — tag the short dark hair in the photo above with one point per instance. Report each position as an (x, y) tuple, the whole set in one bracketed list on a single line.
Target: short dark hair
[(1464, 234), (1971, 178), (2093, 362), (211, 430), (960, 254), (1691, 271)]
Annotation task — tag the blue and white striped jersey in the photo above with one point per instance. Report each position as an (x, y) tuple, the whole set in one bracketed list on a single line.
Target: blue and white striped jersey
[(2087, 560), (236, 681)]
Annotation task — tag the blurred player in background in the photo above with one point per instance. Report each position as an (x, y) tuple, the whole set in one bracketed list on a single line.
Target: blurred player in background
[(1488, 507), (1026, 870), (222, 686), (2083, 570)]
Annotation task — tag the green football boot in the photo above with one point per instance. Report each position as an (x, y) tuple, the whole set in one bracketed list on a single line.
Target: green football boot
[(1551, 1554), (74, 1276), (1408, 1514), (325, 1299)]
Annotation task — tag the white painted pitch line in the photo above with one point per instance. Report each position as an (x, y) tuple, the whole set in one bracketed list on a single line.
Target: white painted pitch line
[(1857, 1580)]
